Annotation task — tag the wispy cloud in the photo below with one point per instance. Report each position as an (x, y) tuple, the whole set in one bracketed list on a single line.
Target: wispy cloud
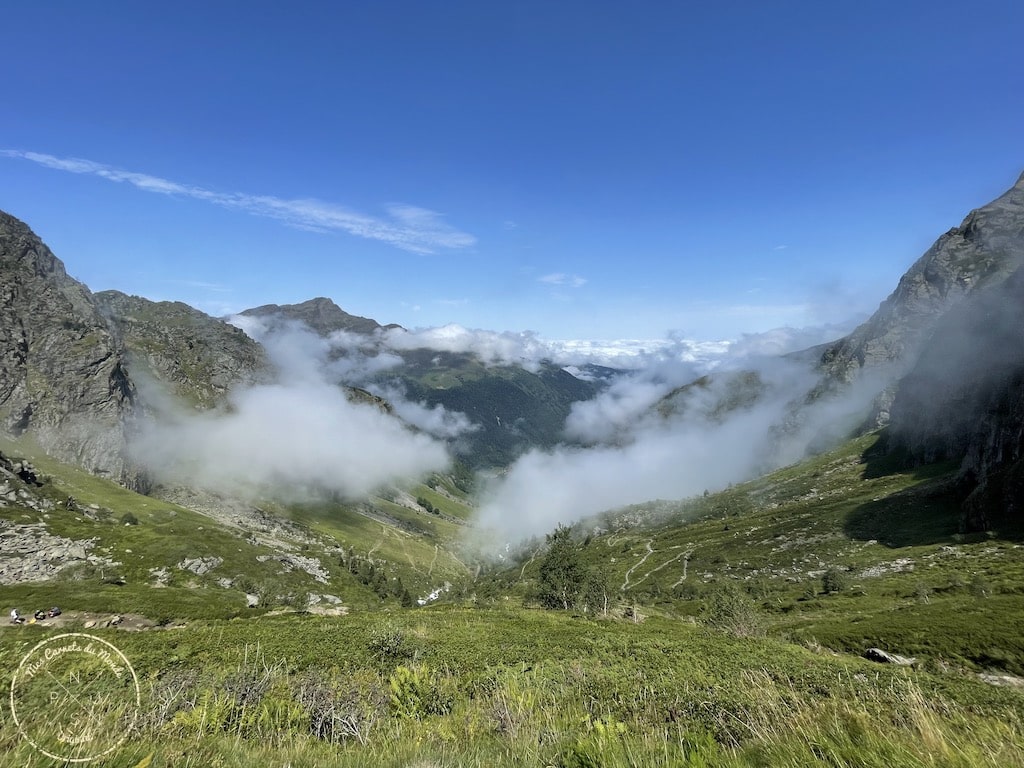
[(407, 227), (560, 278)]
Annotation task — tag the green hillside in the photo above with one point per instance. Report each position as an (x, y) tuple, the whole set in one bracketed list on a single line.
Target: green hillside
[(360, 555), (512, 409), (733, 632), (848, 549)]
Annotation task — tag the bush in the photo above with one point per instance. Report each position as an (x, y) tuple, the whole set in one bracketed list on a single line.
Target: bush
[(980, 586), (833, 581), (414, 694), (388, 645), (729, 608)]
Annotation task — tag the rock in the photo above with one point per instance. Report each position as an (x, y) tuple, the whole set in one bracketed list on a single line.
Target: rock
[(884, 657), (251, 600), (31, 553), (200, 566), (979, 254), (62, 374), (1004, 681), (198, 357)]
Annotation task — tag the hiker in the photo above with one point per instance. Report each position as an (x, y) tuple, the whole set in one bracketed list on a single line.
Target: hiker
[(16, 618), (40, 615)]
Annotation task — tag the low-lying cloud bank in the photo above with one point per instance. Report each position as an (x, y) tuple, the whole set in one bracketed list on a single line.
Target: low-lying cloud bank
[(628, 445), (713, 434), (290, 438), (529, 350)]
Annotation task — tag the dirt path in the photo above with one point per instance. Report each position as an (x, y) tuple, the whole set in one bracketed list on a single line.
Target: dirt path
[(686, 562), (650, 551), (658, 568)]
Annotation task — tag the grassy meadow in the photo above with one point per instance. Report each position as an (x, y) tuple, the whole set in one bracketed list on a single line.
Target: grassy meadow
[(725, 630)]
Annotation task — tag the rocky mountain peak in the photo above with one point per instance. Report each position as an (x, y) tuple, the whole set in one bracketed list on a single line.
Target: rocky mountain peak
[(321, 314), (62, 374), (982, 252)]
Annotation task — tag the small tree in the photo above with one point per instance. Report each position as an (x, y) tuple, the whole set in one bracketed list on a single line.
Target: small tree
[(561, 573), (597, 591), (834, 580), (729, 608)]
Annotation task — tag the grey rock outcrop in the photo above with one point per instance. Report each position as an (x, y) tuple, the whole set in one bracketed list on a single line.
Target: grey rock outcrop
[(884, 657), (964, 400), (974, 257), (62, 375), (200, 566), (31, 553), (197, 357)]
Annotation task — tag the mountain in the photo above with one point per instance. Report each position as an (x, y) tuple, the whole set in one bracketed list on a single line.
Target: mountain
[(747, 616), (964, 400), (971, 259), (321, 315), (950, 337), (197, 356), (63, 379), (510, 409)]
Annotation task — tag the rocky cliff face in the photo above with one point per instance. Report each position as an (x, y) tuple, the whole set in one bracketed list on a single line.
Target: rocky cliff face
[(197, 357), (62, 375), (964, 400), (974, 257), (950, 341)]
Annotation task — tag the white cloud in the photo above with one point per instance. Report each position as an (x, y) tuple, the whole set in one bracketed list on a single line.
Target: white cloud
[(436, 421), (559, 278), (291, 437), (407, 227), (493, 348), (641, 456)]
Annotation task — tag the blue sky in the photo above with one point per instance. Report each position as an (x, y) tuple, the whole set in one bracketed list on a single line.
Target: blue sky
[(587, 170)]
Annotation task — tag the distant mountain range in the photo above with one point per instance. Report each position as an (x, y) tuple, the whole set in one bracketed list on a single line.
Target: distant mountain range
[(944, 352)]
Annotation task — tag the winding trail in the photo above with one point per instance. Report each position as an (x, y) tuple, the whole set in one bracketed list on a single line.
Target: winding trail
[(375, 547), (667, 562), (650, 551), (686, 562)]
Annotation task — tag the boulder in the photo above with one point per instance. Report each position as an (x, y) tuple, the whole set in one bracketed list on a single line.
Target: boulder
[(884, 657)]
